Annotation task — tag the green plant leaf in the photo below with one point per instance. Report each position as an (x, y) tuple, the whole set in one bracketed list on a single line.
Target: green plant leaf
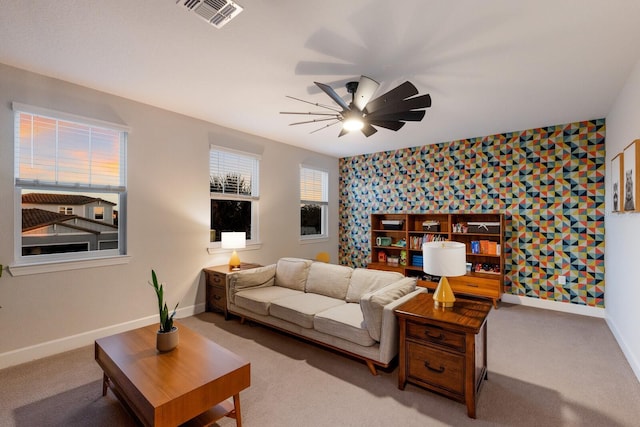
[(166, 320)]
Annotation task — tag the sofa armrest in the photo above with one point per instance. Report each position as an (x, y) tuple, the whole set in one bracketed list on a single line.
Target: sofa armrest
[(254, 278), (389, 335)]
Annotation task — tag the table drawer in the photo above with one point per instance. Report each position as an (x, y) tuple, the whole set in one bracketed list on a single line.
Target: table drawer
[(439, 368), (435, 335), (217, 298), (218, 280)]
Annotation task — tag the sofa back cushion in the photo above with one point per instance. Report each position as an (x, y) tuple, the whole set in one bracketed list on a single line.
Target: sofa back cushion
[(292, 273), (365, 280), (329, 279), (372, 304)]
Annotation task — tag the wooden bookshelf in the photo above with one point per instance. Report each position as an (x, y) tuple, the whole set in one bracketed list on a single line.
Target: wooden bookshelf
[(391, 242)]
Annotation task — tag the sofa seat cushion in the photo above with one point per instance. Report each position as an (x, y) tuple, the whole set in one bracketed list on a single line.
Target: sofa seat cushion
[(328, 279), (258, 300), (373, 303), (300, 309), (292, 273), (365, 280), (344, 321)]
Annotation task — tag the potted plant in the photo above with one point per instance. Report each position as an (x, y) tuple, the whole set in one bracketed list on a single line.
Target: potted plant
[(167, 337)]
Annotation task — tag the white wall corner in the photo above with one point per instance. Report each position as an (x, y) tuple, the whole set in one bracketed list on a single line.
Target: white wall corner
[(626, 350)]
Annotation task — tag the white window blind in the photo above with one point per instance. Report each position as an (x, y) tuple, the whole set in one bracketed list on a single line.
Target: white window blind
[(62, 153), (233, 173), (313, 186)]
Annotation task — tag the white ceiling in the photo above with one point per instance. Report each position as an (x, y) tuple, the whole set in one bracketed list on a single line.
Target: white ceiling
[(491, 66)]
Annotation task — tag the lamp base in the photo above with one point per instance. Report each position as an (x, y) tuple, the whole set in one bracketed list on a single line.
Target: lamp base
[(234, 261), (443, 295)]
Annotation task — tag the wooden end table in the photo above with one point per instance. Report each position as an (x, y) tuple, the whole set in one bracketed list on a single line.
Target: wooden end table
[(192, 383), (444, 349), (216, 286)]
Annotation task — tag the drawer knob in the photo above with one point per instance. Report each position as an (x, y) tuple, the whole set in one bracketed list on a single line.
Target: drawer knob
[(428, 333), (217, 297), (437, 370)]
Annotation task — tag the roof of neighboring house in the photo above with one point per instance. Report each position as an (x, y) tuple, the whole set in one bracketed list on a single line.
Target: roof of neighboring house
[(35, 218), (61, 199)]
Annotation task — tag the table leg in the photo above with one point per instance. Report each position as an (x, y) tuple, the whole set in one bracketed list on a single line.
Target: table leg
[(236, 406), (105, 384)]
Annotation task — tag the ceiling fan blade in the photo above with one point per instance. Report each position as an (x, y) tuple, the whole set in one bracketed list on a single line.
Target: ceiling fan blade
[(368, 130), (366, 88), (387, 124), (333, 95), (405, 90), (408, 116), (422, 101), (343, 132)]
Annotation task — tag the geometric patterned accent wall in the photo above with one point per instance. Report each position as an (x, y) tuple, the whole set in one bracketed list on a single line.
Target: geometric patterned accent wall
[(548, 182)]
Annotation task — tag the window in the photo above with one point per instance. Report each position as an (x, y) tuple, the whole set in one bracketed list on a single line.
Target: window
[(70, 183), (98, 213), (313, 202), (233, 186)]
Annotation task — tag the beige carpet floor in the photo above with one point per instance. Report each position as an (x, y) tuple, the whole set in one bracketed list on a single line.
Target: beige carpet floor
[(545, 369)]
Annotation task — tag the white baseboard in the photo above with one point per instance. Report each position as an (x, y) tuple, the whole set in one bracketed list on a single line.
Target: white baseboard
[(554, 305), (49, 348), (628, 354)]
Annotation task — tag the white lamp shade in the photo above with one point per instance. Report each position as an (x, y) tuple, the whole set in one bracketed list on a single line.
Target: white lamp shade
[(446, 259), (233, 240)]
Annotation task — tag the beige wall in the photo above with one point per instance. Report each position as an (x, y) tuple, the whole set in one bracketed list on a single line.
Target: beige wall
[(167, 224), (622, 240)]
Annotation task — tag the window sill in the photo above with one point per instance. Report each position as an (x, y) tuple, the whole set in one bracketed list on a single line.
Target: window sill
[(250, 247), (308, 240), (54, 266)]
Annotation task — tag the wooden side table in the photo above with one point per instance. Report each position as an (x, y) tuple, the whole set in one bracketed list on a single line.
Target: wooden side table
[(444, 350), (216, 286)]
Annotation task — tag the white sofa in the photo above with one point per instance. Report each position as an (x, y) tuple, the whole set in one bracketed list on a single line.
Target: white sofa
[(347, 309)]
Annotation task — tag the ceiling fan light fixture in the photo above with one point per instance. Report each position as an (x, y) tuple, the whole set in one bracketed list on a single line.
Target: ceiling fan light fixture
[(352, 123), (390, 110)]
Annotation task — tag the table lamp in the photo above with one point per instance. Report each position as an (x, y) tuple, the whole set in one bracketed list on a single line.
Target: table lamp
[(233, 240), (444, 259)]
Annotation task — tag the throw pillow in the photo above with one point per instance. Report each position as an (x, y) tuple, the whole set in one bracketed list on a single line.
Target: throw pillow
[(255, 277), (372, 304), (365, 280)]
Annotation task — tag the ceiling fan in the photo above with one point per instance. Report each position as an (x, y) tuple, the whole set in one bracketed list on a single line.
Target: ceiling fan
[(390, 110)]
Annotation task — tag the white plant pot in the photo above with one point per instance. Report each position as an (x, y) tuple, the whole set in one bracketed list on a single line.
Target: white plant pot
[(167, 341)]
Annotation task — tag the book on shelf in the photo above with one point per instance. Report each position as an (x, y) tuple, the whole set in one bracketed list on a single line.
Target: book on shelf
[(415, 242), (492, 248)]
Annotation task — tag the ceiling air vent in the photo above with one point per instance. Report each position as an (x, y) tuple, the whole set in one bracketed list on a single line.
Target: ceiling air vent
[(215, 12)]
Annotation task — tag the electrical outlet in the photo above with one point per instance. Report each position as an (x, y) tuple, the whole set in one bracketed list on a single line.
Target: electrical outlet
[(562, 280)]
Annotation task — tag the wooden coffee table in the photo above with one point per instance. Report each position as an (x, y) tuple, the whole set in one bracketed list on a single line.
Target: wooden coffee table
[(191, 383)]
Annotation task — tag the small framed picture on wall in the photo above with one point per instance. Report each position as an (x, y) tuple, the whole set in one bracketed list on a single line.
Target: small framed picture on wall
[(616, 182), (629, 179)]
